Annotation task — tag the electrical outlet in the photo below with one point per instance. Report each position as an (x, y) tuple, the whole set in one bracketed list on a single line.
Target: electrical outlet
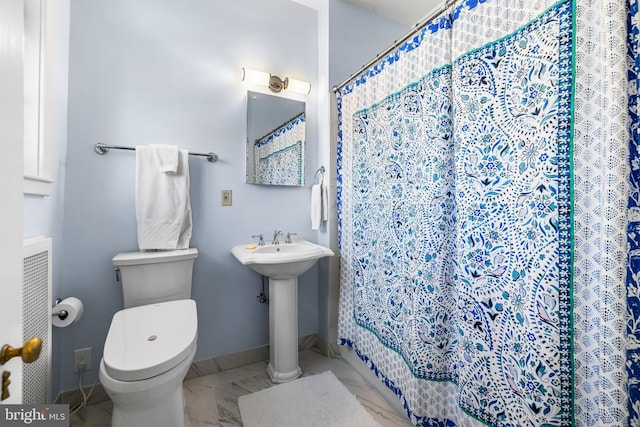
[(226, 197), (82, 359)]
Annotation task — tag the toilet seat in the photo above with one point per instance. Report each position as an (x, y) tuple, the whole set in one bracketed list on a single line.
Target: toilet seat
[(149, 340)]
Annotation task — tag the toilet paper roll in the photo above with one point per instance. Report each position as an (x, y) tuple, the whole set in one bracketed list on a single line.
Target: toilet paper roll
[(73, 307)]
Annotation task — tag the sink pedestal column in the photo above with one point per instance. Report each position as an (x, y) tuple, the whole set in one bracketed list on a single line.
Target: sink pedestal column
[(283, 330)]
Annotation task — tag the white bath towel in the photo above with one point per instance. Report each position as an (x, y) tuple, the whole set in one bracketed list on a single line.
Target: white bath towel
[(316, 206), (325, 202), (166, 157), (163, 205)]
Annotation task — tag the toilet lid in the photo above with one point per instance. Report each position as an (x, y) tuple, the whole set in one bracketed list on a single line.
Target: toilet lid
[(148, 340)]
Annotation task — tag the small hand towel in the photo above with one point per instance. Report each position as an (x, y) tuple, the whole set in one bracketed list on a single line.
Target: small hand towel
[(316, 206), (163, 205), (166, 157), (325, 202)]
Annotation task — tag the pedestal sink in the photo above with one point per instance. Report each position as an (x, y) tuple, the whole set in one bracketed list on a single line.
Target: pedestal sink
[(283, 264)]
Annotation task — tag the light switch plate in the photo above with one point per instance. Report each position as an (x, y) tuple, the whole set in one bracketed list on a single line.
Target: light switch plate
[(226, 198)]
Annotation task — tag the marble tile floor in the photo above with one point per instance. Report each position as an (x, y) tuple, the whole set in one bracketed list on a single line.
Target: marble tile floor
[(212, 400)]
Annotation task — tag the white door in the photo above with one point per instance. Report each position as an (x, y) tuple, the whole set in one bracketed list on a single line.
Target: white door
[(11, 187)]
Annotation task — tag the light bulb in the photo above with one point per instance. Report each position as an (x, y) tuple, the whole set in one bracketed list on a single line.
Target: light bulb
[(255, 77), (299, 86)]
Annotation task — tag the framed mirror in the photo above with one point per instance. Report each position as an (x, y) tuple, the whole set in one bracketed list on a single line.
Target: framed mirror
[(275, 140)]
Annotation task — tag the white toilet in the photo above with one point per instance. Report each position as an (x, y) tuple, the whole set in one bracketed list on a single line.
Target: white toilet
[(152, 342)]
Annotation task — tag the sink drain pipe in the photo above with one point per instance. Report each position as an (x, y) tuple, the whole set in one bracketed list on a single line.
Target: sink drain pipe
[(261, 297)]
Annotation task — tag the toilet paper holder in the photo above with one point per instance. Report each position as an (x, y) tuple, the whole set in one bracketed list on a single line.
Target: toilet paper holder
[(62, 314), (66, 311)]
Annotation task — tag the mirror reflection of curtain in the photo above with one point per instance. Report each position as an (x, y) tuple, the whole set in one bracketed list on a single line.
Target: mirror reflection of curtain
[(278, 155)]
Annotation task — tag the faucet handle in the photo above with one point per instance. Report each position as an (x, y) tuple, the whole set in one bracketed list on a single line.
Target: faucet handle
[(289, 234), (261, 241)]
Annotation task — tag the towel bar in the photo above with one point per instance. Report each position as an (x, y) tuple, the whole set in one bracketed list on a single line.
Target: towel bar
[(102, 148)]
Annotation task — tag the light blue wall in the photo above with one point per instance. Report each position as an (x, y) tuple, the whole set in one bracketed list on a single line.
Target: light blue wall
[(355, 37), (165, 71)]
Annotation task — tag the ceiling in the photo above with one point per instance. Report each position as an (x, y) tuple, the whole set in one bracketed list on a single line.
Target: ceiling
[(407, 12)]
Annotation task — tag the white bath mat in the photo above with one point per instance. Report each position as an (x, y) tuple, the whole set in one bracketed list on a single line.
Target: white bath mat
[(314, 401)]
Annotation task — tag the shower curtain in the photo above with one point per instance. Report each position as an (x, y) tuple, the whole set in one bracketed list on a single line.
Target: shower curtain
[(489, 215), (278, 154)]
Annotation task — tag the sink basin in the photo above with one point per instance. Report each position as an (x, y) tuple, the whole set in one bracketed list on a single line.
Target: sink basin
[(283, 261), (283, 264)]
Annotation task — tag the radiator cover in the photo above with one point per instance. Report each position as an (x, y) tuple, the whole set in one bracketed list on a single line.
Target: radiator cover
[(36, 318)]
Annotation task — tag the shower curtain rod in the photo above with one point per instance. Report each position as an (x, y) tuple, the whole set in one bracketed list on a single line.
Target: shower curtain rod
[(280, 126), (397, 43)]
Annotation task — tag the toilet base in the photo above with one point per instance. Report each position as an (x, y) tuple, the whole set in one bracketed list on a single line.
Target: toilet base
[(169, 411), (154, 402)]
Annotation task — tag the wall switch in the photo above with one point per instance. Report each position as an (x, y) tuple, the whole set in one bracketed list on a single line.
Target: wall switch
[(226, 198), (82, 359)]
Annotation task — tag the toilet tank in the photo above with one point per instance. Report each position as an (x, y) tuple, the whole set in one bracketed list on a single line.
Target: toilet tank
[(150, 277)]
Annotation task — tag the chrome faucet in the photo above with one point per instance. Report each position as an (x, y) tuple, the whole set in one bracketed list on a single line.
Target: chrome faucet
[(276, 234), (289, 237), (261, 241)]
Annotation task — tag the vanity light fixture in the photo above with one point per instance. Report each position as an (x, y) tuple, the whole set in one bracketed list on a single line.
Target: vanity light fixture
[(275, 83)]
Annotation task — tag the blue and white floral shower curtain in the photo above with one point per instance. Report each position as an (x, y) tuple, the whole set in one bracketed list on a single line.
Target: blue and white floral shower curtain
[(488, 208), (278, 155)]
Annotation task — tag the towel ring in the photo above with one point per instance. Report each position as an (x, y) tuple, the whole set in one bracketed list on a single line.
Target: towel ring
[(321, 172)]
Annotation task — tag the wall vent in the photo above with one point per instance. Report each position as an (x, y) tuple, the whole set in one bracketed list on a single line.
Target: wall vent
[(36, 318)]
